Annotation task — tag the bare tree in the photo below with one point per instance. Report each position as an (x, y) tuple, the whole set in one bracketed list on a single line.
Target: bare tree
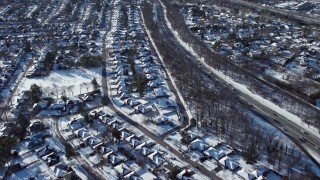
[(70, 89), (56, 90)]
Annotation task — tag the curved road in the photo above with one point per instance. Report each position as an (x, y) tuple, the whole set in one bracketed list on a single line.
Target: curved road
[(291, 129)]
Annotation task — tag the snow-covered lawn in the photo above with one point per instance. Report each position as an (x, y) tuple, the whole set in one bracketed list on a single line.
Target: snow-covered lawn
[(73, 81), (37, 170)]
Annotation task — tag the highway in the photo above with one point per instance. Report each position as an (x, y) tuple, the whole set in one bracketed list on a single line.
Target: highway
[(290, 14), (293, 131)]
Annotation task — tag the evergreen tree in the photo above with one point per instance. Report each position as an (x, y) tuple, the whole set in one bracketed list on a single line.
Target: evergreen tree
[(250, 155), (116, 134), (35, 93), (95, 84), (6, 144)]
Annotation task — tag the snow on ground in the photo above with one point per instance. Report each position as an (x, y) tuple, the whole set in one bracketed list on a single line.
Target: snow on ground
[(25, 159), (63, 79), (38, 170), (317, 158), (174, 140), (169, 73), (79, 171), (109, 172), (15, 77), (210, 139), (226, 174), (140, 118), (281, 76), (210, 164), (295, 119), (268, 128)]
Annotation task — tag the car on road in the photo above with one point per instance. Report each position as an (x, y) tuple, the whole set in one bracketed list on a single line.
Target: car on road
[(284, 129), (173, 133), (304, 132), (303, 139), (275, 120)]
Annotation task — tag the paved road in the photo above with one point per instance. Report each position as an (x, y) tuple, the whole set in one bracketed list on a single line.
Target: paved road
[(291, 14), (15, 87), (90, 172), (294, 131), (151, 135)]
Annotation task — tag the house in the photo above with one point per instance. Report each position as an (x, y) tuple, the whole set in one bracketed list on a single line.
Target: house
[(143, 108), (166, 103), (124, 171), (106, 118), (116, 158), (198, 144), (115, 124), (132, 102), (145, 150), (82, 133), (185, 174), (245, 175), (134, 141), (161, 120), (228, 163), (45, 151), (71, 103), (142, 174), (256, 174), (51, 159), (92, 141), (37, 126), (37, 107), (103, 149), (61, 170), (214, 153), (125, 133), (161, 92), (157, 158), (96, 115), (76, 124), (34, 143), (86, 97), (57, 107)]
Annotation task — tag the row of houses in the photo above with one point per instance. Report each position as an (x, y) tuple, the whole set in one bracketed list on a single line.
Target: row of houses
[(128, 146), (229, 158), (155, 95)]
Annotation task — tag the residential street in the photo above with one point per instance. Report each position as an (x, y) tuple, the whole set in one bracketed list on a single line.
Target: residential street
[(158, 139)]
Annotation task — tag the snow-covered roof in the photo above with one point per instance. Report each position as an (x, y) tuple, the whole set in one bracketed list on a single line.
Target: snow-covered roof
[(123, 170), (199, 144), (214, 153), (245, 175), (228, 163)]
